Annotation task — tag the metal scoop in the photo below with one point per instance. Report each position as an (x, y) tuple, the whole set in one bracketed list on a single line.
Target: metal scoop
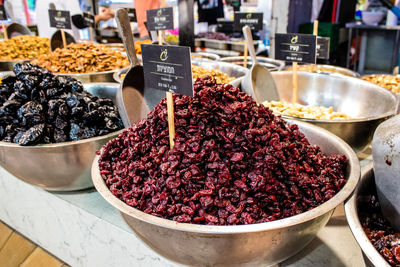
[(133, 101), (258, 82)]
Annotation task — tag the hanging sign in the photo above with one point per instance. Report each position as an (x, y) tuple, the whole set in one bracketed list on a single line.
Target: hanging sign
[(253, 20), (293, 47), (60, 19), (160, 19), (168, 68)]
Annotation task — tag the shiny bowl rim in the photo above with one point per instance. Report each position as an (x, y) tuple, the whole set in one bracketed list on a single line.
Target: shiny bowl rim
[(69, 143), (362, 119), (351, 212), (279, 63), (355, 74), (340, 197)]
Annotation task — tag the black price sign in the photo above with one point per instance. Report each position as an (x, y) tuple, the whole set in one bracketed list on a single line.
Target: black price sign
[(160, 19), (168, 68), (295, 47), (323, 47), (131, 14), (60, 19), (253, 20), (88, 19), (3, 15)]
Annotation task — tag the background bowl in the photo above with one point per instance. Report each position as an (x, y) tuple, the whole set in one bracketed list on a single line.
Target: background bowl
[(263, 243), (368, 103), (372, 17), (230, 69), (205, 56), (365, 187), (60, 166), (326, 69), (271, 64)]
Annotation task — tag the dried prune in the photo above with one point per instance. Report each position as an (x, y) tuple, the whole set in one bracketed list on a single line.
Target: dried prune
[(38, 107), (233, 162)]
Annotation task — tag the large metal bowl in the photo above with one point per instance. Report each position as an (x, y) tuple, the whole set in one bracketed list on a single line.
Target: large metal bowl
[(230, 69), (365, 187), (271, 64), (368, 103), (264, 243), (62, 166), (326, 69)]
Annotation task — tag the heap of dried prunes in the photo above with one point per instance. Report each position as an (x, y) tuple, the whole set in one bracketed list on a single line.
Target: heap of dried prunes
[(38, 107)]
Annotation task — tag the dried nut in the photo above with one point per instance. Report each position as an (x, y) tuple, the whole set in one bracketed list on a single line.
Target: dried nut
[(24, 47), (305, 111), (82, 58), (390, 82)]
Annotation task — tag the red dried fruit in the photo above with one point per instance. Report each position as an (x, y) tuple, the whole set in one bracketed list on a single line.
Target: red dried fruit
[(234, 162)]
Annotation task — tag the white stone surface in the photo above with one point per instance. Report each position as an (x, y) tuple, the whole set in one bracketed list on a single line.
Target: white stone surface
[(83, 230)]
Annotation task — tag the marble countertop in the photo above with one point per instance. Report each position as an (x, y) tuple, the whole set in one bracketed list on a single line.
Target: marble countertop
[(82, 229)]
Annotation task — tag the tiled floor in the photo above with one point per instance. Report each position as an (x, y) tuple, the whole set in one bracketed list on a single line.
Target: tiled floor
[(16, 250)]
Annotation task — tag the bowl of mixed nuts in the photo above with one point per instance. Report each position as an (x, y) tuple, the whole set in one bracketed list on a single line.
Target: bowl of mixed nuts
[(20, 49), (86, 62)]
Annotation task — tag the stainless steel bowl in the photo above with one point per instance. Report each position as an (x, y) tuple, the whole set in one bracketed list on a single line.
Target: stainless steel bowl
[(97, 77), (230, 69), (368, 103), (205, 56), (271, 64), (326, 69), (366, 186), (8, 65), (264, 243), (62, 166)]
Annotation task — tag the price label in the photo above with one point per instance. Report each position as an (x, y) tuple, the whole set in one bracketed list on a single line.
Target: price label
[(253, 20), (131, 14), (295, 47), (60, 19), (88, 20), (323, 49), (168, 68), (3, 15), (160, 19)]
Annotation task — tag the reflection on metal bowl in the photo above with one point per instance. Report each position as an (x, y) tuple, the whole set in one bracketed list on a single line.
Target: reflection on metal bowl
[(97, 77), (326, 69), (271, 64), (255, 244), (9, 65), (367, 103), (365, 187), (60, 166)]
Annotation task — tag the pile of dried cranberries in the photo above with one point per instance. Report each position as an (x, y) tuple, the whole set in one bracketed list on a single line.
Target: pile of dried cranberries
[(234, 162)]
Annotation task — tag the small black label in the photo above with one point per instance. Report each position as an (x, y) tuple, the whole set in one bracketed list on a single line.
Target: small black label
[(131, 14), (88, 19), (323, 47), (168, 68), (160, 19), (253, 20), (3, 15), (295, 47), (60, 19)]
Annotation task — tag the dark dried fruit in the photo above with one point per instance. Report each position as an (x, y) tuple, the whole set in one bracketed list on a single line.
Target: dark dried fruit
[(38, 107), (384, 238), (234, 162)]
